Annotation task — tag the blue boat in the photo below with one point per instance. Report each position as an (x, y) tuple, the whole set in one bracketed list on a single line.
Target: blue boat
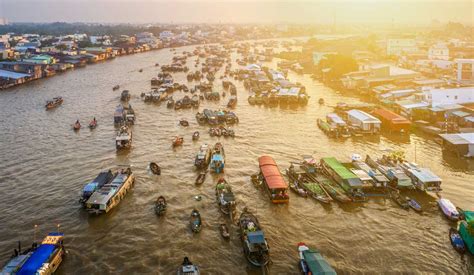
[(218, 159), (98, 182), (44, 259)]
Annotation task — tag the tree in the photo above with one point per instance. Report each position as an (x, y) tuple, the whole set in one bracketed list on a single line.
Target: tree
[(61, 47), (338, 65)]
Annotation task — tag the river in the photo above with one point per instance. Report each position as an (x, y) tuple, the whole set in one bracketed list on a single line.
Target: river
[(44, 165)]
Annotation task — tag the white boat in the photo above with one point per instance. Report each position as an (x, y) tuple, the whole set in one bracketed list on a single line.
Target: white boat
[(124, 138), (448, 208)]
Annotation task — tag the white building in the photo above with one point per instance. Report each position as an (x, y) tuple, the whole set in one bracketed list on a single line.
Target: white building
[(437, 97), (438, 52), (465, 71), (100, 40), (401, 46)]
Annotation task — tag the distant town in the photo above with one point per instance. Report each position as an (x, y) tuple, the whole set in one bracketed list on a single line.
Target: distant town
[(425, 74)]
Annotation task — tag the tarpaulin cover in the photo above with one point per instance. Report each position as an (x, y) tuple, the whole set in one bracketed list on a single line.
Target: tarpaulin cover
[(271, 173)]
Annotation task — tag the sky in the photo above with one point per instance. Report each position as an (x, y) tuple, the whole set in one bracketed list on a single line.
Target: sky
[(244, 11)]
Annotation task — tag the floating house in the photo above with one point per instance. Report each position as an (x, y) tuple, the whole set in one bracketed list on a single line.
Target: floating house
[(461, 144), (365, 122), (391, 121)]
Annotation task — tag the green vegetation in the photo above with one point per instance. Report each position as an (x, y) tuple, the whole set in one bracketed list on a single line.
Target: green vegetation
[(338, 65)]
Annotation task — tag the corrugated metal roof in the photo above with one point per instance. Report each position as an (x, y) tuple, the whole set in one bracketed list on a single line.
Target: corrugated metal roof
[(459, 139), (12, 75), (362, 116)]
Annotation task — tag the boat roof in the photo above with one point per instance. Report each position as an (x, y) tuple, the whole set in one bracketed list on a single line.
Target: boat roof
[(364, 176), (340, 169), (40, 255), (362, 116), (14, 264), (271, 173), (336, 118), (425, 175), (103, 195), (256, 237), (389, 115), (317, 264)]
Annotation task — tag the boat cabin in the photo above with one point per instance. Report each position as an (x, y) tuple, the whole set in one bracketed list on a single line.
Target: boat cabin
[(109, 195), (423, 178), (344, 177), (273, 181), (367, 181), (98, 182), (364, 122), (379, 179)]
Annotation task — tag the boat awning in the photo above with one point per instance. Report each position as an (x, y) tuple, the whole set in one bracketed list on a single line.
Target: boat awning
[(256, 237), (39, 257), (317, 264), (271, 173), (425, 175), (12, 75)]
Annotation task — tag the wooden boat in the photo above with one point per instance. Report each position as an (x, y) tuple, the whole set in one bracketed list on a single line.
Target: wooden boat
[(224, 231), (253, 240), (99, 181), (456, 241), (123, 140), (76, 126), (50, 104), (402, 202), (311, 262), (321, 101), (196, 135), (414, 204), (116, 87), (42, 259), (333, 189), (160, 206), (272, 180), (184, 122), (155, 168), (217, 163), (195, 221), (466, 230), (225, 198), (232, 102), (170, 103), (200, 178), (203, 157), (125, 96), (93, 124), (178, 141), (294, 185), (448, 209), (188, 268), (310, 187), (110, 194)]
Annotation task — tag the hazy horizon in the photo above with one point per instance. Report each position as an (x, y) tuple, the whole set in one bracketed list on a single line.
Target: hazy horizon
[(398, 12)]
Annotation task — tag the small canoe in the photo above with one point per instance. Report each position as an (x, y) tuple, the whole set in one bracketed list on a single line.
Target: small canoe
[(184, 122), (321, 101), (195, 221), (160, 206), (116, 87), (155, 168), (93, 124), (178, 141), (456, 241), (395, 195), (200, 178), (76, 126), (224, 231), (195, 135), (414, 204)]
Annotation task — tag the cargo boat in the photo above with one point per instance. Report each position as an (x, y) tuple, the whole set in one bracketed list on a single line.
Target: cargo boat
[(253, 240), (350, 182), (42, 259), (272, 180), (97, 183), (110, 194)]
